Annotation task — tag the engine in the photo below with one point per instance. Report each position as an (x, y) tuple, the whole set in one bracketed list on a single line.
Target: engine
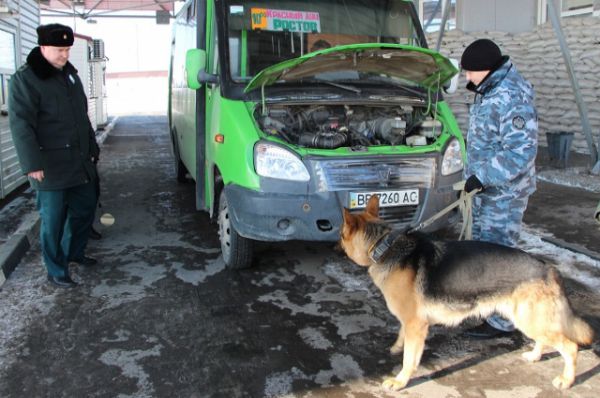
[(334, 126)]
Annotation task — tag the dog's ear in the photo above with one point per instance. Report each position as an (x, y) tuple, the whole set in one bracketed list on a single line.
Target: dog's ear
[(373, 206), (349, 220)]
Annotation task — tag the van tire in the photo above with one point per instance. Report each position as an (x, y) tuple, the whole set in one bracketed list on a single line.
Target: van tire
[(237, 251), (180, 169)]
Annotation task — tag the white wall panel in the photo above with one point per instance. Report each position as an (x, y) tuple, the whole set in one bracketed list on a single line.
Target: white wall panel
[(23, 25)]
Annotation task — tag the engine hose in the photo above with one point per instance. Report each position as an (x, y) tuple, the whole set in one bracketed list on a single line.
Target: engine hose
[(324, 141), (356, 136)]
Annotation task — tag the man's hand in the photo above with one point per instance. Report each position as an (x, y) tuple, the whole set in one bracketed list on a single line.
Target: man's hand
[(473, 184), (36, 175)]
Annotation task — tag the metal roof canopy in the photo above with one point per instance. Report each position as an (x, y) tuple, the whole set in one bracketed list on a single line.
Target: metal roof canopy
[(85, 9)]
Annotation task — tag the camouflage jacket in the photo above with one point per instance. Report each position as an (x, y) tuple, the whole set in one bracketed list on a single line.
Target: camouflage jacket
[(502, 137)]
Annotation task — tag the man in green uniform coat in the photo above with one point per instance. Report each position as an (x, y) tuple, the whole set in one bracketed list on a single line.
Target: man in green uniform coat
[(57, 149)]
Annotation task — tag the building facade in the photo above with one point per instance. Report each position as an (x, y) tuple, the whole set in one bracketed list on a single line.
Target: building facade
[(18, 22), (529, 38)]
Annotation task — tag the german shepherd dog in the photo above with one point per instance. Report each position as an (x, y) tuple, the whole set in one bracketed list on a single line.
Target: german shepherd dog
[(428, 282)]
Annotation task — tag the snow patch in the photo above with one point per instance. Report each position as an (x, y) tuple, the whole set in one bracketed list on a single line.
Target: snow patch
[(128, 361), (198, 276), (314, 338), (129, 289), (531, 242)]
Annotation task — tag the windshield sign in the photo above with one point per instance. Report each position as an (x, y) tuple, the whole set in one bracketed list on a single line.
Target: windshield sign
[(281, 20)]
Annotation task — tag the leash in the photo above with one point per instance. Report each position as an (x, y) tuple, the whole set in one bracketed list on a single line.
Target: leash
[(464, 203)]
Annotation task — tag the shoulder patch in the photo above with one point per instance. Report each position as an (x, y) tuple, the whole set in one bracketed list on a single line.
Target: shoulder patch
[(518, 122)]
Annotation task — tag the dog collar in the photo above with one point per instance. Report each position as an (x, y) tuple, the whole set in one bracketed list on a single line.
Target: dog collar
[(382, 245)]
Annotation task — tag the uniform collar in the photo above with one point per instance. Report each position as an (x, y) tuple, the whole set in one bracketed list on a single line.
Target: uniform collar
[(493, 78), (42, 68)]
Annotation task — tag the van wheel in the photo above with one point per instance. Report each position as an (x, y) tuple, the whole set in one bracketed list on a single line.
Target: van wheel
[(236, 250), (180, 169)]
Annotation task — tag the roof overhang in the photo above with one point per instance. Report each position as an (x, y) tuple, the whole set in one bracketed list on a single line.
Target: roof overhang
[(97, 8)]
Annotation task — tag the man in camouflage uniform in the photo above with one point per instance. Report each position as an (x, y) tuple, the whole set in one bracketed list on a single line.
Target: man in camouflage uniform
[(501, 150)]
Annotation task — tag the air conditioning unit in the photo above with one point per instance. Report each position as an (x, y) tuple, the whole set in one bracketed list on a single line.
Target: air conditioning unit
[(98, 49)]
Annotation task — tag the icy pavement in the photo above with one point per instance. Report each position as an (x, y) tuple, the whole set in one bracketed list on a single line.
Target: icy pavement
[(578, 177)]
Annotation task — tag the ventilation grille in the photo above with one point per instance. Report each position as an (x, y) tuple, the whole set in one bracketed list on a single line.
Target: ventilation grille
[(98, 49)]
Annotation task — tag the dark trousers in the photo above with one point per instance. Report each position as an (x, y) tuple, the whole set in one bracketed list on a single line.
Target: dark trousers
[(66, 217)]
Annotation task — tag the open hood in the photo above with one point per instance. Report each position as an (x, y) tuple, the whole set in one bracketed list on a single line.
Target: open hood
[(419, 66)]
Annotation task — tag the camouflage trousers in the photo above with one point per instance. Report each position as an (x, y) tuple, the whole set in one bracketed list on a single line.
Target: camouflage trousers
[(497, 218)]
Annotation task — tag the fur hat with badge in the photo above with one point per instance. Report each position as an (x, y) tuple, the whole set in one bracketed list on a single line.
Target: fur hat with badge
[(55, 35)]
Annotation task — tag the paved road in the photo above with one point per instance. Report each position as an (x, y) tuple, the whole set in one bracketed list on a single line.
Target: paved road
[(162, 317)]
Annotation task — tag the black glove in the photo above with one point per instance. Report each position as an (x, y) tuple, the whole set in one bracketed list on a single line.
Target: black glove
[(473, 184)]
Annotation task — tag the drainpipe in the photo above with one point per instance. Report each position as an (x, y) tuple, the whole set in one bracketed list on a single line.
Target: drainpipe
[(433, 14), (445, 14), (581, 106)]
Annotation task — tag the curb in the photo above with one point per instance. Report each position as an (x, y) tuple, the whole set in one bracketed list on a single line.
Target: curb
[(13, 250), (100, 138), (573, 247)]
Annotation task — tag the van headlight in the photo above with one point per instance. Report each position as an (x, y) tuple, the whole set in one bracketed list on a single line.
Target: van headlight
[(453, 159), (276, 162)]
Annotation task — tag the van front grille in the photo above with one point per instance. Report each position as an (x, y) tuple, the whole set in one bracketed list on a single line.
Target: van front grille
[(372, 173), (398, 217)]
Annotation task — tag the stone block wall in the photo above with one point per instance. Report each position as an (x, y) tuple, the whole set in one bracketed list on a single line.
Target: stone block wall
[(538, 57)]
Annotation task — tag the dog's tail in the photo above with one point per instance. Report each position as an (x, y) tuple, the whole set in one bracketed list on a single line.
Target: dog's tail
[(579, 331), (575, 328)]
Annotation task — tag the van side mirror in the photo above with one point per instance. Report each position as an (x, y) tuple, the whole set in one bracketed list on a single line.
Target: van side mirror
[(195, 69), (452, 85)]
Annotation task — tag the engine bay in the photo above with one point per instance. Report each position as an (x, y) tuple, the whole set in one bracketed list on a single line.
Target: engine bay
[(334, 126)]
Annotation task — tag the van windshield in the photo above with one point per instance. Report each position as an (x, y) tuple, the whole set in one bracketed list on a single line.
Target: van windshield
[(264, 33)]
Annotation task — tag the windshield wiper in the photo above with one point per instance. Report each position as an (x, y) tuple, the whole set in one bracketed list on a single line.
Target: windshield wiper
[(379, 79), (342, 86)]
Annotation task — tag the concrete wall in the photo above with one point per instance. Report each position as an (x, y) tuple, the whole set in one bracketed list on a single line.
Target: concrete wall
[(538, 57), (22, 26), (498, 15)]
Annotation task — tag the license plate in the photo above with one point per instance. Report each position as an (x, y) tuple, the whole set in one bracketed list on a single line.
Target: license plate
[(359, 200)]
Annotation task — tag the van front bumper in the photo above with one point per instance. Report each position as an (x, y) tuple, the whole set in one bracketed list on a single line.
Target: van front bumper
[(269, 216), (277, 216)]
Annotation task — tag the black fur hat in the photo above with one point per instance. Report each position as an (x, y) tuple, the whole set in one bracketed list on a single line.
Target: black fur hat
[(55, 35)]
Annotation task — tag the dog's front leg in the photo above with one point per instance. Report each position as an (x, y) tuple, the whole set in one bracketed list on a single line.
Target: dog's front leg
[(415, 335), (399, 344)]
